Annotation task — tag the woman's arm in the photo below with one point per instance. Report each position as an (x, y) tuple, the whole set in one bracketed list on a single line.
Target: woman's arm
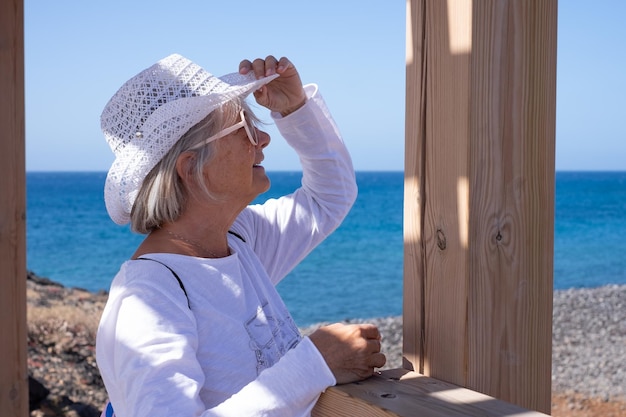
[(283, 231)]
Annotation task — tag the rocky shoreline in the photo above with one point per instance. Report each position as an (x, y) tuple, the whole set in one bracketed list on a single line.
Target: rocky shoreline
[(588, 370), (63, 377)]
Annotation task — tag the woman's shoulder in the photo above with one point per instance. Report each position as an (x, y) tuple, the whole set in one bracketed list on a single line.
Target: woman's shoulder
[(147, 283), (149, 274)]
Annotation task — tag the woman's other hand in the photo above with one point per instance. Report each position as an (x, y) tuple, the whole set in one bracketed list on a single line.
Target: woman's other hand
[(285, 94), (351, 351)]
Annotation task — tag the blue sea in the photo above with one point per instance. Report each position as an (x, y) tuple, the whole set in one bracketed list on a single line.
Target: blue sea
[(356, 272)]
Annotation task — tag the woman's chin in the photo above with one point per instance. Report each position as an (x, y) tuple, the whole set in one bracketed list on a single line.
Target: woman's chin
[(261, 178)]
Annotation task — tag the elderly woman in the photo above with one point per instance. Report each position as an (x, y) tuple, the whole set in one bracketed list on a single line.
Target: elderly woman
[(194, 325)]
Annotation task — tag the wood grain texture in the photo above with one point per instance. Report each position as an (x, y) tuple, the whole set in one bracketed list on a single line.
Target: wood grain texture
[(413, 298), (13, 372), (401, 393), (445, 164), (512, 200), (479, 192)]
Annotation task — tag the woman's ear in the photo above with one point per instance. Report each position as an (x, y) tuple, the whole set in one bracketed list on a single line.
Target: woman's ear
[(185, 166)]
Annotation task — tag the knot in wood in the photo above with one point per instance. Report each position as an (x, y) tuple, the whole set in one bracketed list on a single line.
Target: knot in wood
[(441, 239), (14, 394)]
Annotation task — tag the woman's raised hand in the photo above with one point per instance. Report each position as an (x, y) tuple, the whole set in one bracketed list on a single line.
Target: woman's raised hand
[(285, 94)]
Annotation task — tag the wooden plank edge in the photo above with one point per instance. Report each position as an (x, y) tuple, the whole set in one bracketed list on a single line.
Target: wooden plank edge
[(403, 393)]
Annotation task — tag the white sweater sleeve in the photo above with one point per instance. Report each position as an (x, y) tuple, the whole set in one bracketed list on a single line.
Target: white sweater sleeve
[(288, 389), (283, 231)]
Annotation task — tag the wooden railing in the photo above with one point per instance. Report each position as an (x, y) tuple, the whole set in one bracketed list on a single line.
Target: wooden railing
[(402, 393)]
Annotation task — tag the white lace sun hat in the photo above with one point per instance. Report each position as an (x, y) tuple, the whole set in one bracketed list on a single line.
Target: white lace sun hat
[(151, 112)]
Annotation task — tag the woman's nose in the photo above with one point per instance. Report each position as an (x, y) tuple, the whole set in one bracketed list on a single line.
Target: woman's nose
[(263, 137)]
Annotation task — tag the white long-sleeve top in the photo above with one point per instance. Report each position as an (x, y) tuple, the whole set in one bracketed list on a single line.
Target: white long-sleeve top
[(235, 350)]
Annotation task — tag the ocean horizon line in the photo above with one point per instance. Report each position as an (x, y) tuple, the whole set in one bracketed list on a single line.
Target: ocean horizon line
[(63, 171)]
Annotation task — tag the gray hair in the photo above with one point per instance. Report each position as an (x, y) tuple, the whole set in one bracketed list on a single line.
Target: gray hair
[(162, 195)]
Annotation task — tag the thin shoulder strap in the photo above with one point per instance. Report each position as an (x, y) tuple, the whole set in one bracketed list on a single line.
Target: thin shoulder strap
[(180, 282), (237, 235)]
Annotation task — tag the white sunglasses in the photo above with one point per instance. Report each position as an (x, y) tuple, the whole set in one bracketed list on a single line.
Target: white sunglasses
[(243, 123)]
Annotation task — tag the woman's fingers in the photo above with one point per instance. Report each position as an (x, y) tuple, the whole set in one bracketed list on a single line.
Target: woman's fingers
[(285, 94), (370, 331), (245, 66), (264, 67), (377, 360), (373, 345)]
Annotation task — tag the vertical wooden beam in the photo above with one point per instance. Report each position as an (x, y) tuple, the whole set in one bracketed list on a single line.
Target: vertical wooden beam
[(512, 200), (413, 298), (481, 94), (13, 370), (436, 172)]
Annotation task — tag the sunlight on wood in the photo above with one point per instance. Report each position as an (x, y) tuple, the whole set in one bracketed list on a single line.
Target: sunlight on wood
[(462, 191), (460, 26), (412, 192)]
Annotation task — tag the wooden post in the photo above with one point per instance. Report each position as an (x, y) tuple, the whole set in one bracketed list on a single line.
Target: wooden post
[(479, 209), (13, 371), (479, 195)]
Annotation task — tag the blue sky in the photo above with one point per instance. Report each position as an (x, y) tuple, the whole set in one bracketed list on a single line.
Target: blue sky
[(78, 53)]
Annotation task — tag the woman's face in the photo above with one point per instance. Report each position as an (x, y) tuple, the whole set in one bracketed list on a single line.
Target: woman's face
[(235, 171)]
